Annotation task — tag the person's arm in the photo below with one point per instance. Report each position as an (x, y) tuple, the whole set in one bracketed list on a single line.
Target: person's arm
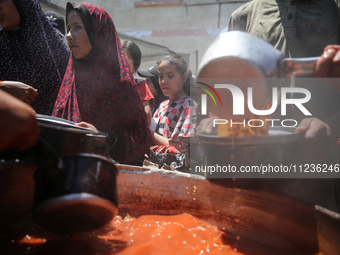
[(158, 139), (239, 18), (147, 99), (161, 140), (18, 124), (148, 110), (20, 90)]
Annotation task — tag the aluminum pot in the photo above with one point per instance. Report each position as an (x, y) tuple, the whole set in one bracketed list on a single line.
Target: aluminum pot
[(246, 61), (231, 48), (280, 147), (75, 193), (255, 221), (68, 139)]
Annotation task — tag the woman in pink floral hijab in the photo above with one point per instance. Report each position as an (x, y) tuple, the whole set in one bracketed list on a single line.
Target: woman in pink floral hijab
[(99, 88)]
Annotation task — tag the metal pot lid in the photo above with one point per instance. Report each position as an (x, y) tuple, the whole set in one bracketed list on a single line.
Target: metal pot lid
[(62, 124), (277, 135)]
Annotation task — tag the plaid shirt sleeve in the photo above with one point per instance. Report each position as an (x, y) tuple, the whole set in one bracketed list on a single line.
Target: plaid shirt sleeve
[(188, 120)]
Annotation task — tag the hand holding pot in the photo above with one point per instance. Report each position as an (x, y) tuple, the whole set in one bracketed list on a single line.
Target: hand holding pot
[(20, 90), (329, 67), (18, 125), (86, 125), (329, 64)]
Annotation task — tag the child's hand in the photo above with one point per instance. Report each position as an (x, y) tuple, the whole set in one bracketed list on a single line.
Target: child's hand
[(86, 125)]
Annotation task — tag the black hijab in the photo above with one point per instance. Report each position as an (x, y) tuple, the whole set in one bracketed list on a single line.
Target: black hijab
[(85, 18)]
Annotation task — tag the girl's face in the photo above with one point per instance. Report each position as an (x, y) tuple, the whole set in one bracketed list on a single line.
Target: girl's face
[(76, 36), (9, 15), (151, 86), (170, 80)]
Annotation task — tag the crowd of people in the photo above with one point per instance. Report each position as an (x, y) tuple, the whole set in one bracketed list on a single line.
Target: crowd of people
[(90, 79), (87, 80), (86, 83)]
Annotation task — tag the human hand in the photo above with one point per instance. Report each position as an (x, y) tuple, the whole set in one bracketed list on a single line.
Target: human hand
[(86, 125), (20, 90), (317, 144), (18, 124), (328, 66)]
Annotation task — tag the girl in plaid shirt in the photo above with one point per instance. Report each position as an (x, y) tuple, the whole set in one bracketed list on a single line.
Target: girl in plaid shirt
[(176, 118)]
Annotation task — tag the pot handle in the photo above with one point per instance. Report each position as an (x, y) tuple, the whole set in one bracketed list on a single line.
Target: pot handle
[(294, 66)]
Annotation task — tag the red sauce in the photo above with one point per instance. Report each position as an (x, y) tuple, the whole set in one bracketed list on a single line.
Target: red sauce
[(147, 234), (31, 240), (178, 234)]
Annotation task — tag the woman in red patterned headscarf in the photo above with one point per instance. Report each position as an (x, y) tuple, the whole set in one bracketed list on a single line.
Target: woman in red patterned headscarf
[(98, 87)]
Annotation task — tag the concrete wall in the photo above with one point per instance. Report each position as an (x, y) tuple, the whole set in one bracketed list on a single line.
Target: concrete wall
[(189, 27)]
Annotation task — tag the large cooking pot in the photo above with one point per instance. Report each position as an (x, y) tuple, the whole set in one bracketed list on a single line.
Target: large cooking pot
[(75, 193), (255, 221), (246, 61), (75, 180)]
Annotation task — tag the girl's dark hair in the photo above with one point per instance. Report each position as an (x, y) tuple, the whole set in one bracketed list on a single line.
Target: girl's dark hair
[(134, 50), (177, 60), (155, 82), (182, 66)]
